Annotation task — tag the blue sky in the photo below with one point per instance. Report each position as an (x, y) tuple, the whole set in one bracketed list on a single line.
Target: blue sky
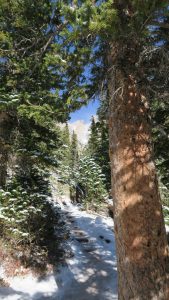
[(85, 113)]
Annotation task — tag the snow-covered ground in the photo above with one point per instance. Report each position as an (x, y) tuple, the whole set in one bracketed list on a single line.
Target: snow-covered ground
[(91, 273), (167, 228)]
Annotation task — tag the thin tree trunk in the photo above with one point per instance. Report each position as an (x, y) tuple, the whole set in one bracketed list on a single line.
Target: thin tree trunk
[(6, 126), (139, 226)]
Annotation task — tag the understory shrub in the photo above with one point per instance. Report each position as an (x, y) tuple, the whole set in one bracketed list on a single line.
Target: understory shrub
[(27, 217)]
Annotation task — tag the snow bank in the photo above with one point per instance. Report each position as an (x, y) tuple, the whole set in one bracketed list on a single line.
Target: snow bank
[(29, 288)]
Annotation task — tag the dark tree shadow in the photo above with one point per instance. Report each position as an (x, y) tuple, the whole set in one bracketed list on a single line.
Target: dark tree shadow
[(90, 275)]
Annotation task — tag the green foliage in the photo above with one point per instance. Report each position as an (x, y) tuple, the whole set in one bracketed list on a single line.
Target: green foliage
[(17, 214), (30, 80), (98, 147), (74, 150), (68, 155), (90, 30), (27, 26), (65, 149), (21, 207), (93, 138), (82, 173), (27, 218), (134, 31), (14, 214), (54, 57), (37, 144), (91, 181), (86, 182)]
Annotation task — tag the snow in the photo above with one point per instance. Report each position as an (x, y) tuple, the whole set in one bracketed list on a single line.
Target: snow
[(29, 288), (166, 207), (167, 228), (91, 274)]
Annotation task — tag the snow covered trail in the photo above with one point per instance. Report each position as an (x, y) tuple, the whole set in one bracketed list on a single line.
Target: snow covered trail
[(90, 274)]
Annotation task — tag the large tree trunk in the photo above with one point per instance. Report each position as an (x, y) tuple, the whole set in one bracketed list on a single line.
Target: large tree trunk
[(6, 126), (139, 226)]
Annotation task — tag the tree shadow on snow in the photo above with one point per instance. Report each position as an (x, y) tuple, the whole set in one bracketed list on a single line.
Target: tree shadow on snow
[(92, 274), (7, 291)]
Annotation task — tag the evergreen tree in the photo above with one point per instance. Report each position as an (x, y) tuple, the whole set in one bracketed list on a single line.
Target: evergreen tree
[(30, 79), (66, 153), (66, 135), (30, 106), (55, 56), (98, 147), (110, 39), (91, 183), (74, 150), (93, 138), (103, 158)]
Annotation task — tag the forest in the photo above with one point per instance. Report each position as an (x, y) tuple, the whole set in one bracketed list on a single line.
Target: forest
[(85, 221)]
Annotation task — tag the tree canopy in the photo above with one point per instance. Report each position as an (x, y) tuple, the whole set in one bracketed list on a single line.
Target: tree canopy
[(55, 56)]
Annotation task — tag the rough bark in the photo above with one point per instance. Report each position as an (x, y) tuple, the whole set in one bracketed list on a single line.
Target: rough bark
[(6, 126), (139, 226)]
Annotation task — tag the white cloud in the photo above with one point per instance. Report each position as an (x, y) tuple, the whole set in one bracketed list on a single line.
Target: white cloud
[(81, 129)]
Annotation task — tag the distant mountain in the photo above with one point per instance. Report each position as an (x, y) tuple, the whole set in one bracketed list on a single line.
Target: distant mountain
[(81, 129)]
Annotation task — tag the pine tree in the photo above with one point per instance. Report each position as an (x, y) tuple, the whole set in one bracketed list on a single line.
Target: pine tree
[(98, 147), (103, 158), (66, 154), (111, 39), (91, 183), (30, 107), (93, 138), (74, 150), (30, 80)]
